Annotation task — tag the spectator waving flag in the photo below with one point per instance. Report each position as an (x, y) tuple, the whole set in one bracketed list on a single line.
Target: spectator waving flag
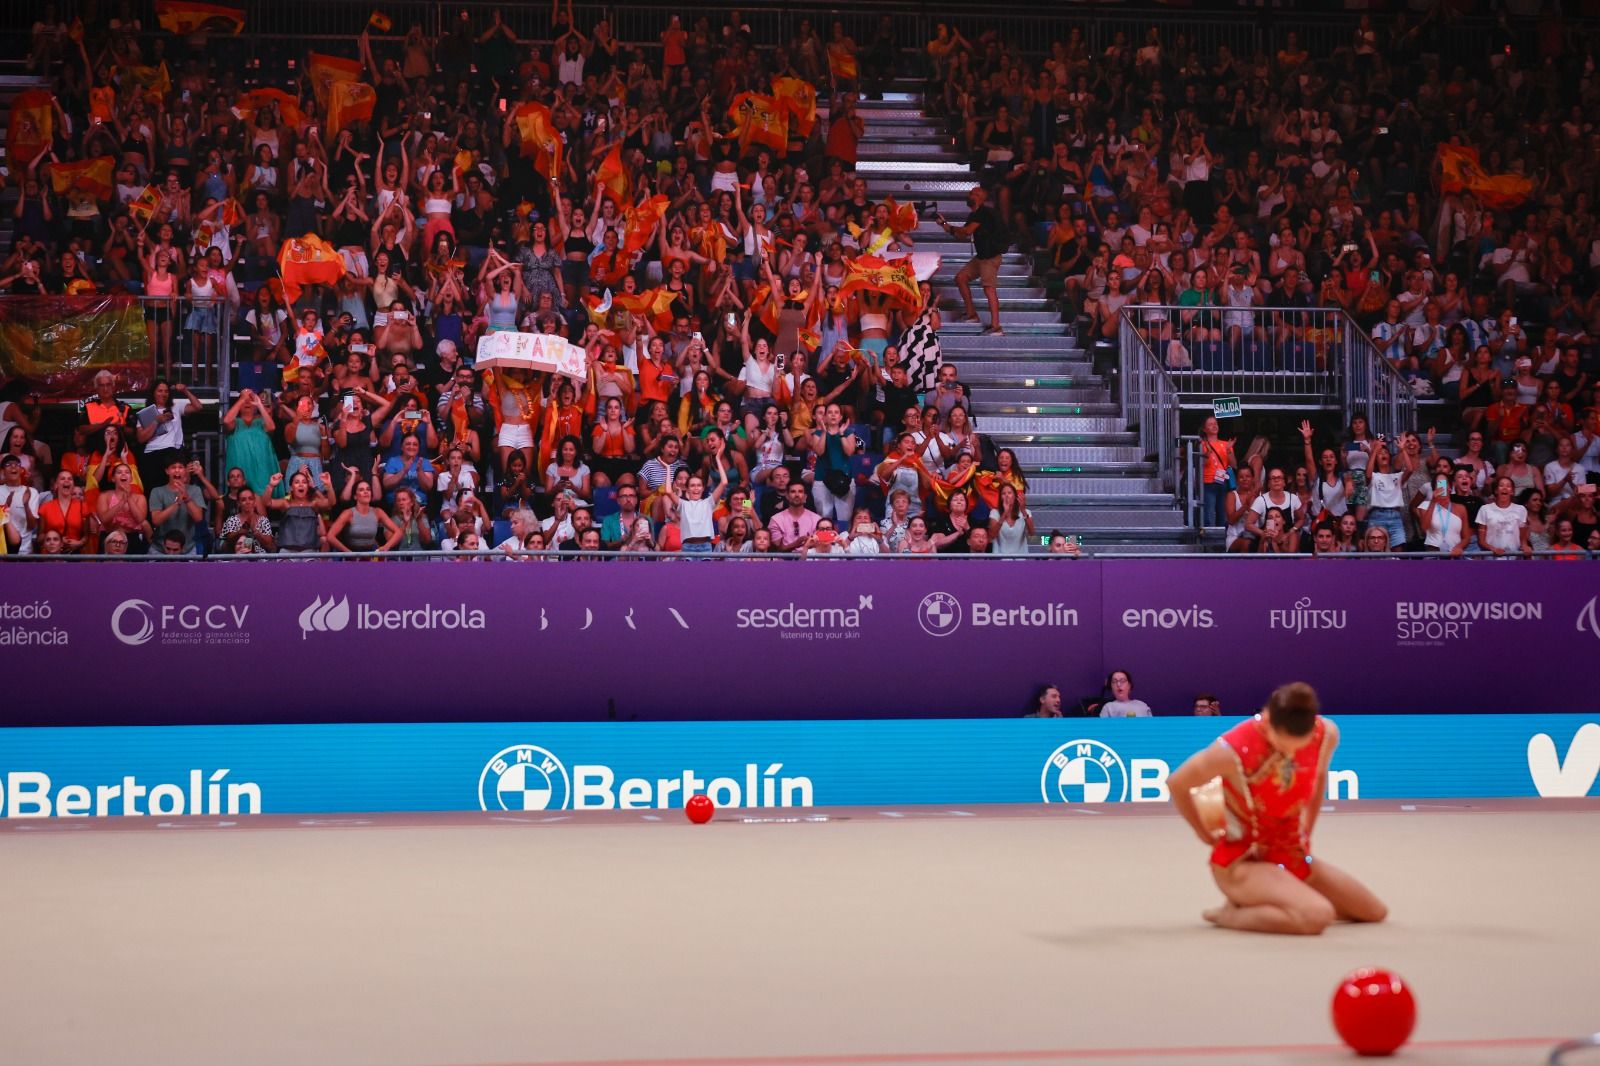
[(308, 260), (93, 176), (761, 120), (325, 70), (654, 305), (1459, 169), (613, 175), (799, 98), (541, 141), (143, 206), (257, 99), (350, 102), (31, 129), (894, 280), (153, 83), (841, 62), (640, 221), (380, 22), (184, 17)]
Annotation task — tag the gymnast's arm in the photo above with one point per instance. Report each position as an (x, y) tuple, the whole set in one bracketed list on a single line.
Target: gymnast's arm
[(1200, 767)]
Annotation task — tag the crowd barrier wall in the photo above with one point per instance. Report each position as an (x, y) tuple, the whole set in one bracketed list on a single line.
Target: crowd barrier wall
[(318, 642), (526, 771)]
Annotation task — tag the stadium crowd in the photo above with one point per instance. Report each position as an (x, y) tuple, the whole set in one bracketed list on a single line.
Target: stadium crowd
[(761, 364)]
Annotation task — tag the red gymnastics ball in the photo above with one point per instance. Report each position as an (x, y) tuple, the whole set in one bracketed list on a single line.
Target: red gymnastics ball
[(1374, 1012), (700, 809)]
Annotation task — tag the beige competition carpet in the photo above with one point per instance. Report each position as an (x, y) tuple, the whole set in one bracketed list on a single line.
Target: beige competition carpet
[(832, 938)]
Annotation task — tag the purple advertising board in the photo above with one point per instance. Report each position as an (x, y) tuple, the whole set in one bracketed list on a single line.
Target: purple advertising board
[(101, 644)]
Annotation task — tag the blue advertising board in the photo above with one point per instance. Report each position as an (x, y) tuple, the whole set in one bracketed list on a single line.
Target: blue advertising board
[(319, 769)]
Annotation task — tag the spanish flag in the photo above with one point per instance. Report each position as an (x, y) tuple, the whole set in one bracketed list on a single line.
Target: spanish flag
[(103, 103), (894, 280), (30, 130), (1459, 169), (761, 120), (326, 69), (93, 176), (154, 83), (144, 205), (257, 99), (184, 17), (308, 260), (232, 213), (652, 304), (799, 98), (765, 312), (639, 223), (380, 22), (350, 102), (613, 176), (902, 217), (841, 63), (540, 140)]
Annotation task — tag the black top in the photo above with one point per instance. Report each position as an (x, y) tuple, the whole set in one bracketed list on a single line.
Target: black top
[(989, 239)]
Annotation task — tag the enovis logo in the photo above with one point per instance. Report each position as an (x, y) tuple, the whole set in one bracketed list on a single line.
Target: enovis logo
[(330, 617), (1576, 776), (1084, 771)]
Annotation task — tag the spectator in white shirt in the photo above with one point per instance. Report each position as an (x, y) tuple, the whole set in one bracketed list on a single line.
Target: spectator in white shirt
[(1503, 525)]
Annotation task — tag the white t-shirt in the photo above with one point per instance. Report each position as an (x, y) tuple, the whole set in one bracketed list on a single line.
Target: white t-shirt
[(21, 503), (1386, 489), (168, 434), (694, 518), (1290, 503), (1554, 472), (1502, 526), (1125, 709)]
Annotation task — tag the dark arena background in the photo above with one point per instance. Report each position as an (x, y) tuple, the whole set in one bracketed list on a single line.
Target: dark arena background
[(575, 535)]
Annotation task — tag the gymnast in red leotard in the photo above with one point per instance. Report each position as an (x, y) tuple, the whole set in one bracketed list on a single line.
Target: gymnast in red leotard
[(1272, 771)]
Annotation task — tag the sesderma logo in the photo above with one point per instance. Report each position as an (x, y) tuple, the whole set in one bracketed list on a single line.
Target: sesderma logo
[(526, 777), (334, 616)]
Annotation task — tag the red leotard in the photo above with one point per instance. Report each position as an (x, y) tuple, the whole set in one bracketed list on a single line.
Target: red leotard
[(1266, 822)]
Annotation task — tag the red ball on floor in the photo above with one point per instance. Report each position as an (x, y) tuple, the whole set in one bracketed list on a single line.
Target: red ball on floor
[(1374, 1012), (700, 809)]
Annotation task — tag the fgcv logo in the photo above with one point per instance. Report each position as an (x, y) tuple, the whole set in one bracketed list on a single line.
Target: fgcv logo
[(1084, 771), (524, 777), (136, 622)]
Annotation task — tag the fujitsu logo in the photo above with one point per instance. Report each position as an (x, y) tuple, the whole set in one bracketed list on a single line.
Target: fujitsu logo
[(1302, 617), (329, 617)]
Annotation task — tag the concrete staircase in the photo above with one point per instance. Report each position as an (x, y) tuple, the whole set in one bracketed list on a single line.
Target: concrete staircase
[(1035, 389)]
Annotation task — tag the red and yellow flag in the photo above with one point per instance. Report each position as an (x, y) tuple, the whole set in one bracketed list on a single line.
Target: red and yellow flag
[(308, 260), (93, 176), (184, 17), (541, 142), (1459, 169), (232, 212), (350, 102), (288, 105), (144, 205), (639, 222), (30, 130), (798, 97), (765, 312), (153, 83), (59, 343), (380, 22), (902, 217), (841, 63), (613, 175), (894, 280), (655, 305), (326, 69), (760, 120)]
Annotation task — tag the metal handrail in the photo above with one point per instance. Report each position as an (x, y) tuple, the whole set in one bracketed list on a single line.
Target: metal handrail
[(1373, 387), (1149, 400)]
